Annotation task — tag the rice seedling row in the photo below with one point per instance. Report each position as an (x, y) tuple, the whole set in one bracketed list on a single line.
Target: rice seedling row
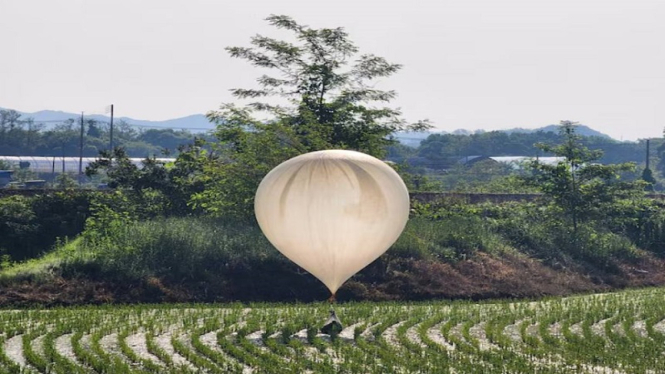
[(609, 333)]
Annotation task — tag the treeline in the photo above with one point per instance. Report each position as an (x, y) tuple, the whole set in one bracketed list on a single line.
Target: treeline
[(25, 137), (441, 151)]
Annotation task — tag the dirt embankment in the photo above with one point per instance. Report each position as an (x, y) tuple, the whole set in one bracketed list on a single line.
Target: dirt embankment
[(482, 277)]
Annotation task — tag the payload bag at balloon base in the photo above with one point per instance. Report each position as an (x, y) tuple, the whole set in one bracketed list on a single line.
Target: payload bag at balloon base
[(332, 212)]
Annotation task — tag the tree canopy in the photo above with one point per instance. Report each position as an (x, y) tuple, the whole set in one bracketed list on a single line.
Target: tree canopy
[(579, 186), (318, 93), (320, 90)]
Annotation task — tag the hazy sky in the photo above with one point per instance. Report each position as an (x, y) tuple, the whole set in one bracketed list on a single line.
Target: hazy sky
[(467, 63)]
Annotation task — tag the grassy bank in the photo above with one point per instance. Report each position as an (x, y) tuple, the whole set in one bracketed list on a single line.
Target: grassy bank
[(476, 254)]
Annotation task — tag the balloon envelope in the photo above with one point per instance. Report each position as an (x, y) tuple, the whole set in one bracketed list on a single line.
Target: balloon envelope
[(332, 212)]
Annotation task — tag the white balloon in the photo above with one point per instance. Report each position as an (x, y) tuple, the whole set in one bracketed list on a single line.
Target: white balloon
[(332, 212)]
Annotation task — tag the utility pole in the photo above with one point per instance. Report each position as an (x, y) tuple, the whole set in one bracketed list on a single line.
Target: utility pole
[(81, 151), (647, 154), (111, 131)]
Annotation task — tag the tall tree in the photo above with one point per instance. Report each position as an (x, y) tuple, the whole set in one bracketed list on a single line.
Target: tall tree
[(319, 95), (328, 87), (582, 189)]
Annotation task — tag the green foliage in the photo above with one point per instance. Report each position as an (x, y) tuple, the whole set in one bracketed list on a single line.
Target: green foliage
[(16, 223), (442, 150), (23, 174), (173, 248), (581, 189), (40, 270), (486, 176), (642, 221), (157, 188), (231, 179), (438, 156), (210, 259), (331, 101), (538, 230), (118, 169), (330, 105), (455, 237), (30, 226), (109, 214), (414, 180), (65, 181), (495, 143)]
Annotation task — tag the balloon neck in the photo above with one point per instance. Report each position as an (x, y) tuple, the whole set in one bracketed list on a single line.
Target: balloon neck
[(331, 299)]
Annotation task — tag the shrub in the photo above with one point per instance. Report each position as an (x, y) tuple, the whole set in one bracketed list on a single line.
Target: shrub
[(642, 221), (30, 226), (541, 231), (177, 249), (451, 238)]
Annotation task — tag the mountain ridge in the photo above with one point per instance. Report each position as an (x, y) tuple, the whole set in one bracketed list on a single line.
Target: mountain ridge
[(199, 123), (413, 139)]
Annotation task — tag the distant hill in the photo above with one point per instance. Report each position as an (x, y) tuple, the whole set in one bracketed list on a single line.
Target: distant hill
[(194, 123), (199, 122), (581, 130), (413, 139)]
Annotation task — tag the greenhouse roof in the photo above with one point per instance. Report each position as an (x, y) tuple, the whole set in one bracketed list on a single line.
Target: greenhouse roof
[(519, 159)]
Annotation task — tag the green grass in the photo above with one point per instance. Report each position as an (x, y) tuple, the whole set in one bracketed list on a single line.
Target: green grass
[(191, 249), (41, 268), (185, 253), (619, 332)]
